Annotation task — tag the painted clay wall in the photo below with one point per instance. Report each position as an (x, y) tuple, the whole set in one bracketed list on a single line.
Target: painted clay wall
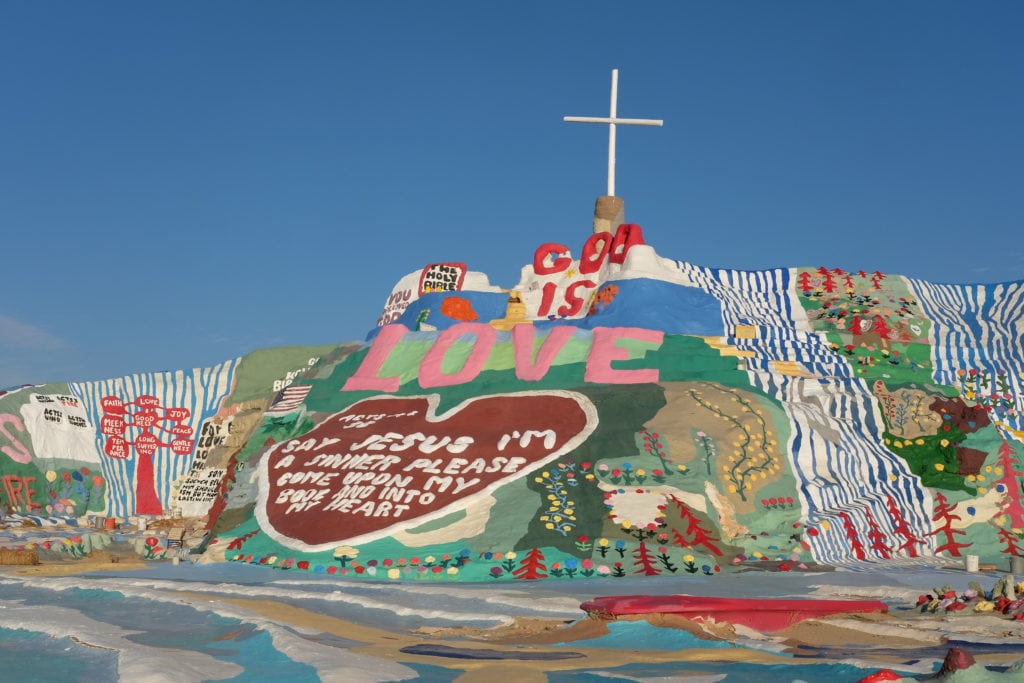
[(617, 414)]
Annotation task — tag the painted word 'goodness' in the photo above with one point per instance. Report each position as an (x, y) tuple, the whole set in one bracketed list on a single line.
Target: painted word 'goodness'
[(604, 350)]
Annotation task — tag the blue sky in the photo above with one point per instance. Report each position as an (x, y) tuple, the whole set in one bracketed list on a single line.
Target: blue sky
[(182, 183)]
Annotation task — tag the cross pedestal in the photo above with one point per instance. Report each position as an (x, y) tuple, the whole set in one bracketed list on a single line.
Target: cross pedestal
[(609, 213)]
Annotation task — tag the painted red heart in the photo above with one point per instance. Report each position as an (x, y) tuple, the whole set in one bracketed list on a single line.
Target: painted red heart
[(389, 462)]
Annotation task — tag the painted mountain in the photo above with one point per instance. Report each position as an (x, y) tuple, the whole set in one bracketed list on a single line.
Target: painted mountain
[(615, 414)]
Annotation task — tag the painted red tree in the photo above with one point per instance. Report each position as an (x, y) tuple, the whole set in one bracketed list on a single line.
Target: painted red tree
[(881, 327), (853, 536), (877, 537), (1010, 540), (646, 561), (901, 528), (1011, 505), (144, 415), (830, 283), (695, 534), (804, 281), (944, 512), (532, 566)]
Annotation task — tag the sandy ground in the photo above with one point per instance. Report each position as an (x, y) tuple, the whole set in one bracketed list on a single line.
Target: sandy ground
[(881, 639)]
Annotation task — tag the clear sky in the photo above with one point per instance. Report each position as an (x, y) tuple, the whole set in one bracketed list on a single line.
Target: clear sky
[(185, 182)]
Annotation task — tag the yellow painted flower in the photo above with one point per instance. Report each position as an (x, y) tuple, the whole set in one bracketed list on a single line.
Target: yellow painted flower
[(687, 558), (939, 466), (51, 476), (394, 572)]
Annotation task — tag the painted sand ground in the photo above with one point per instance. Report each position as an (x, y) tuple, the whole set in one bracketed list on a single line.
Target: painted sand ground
[(94, 619)]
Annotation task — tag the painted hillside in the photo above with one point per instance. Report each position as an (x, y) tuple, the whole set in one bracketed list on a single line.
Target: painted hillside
[(619, 413)]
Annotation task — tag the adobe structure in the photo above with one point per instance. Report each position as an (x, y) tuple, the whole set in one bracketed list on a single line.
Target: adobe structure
[(614, 413), (617, 413)]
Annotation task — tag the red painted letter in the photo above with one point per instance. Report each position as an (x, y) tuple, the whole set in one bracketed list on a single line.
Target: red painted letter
[(557, 266), (592, 256), (628, 235)]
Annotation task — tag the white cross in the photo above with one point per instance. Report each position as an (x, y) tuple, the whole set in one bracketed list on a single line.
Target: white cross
[(611, 120)]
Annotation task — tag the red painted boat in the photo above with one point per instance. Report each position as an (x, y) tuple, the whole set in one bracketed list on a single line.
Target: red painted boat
[(758, 613)]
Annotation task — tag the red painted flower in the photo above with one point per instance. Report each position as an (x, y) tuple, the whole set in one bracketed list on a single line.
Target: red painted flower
[(152, 541), (66, 476)]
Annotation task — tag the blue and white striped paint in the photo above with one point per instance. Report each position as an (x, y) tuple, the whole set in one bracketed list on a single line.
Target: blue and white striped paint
[(835, 448), (201, 390)]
